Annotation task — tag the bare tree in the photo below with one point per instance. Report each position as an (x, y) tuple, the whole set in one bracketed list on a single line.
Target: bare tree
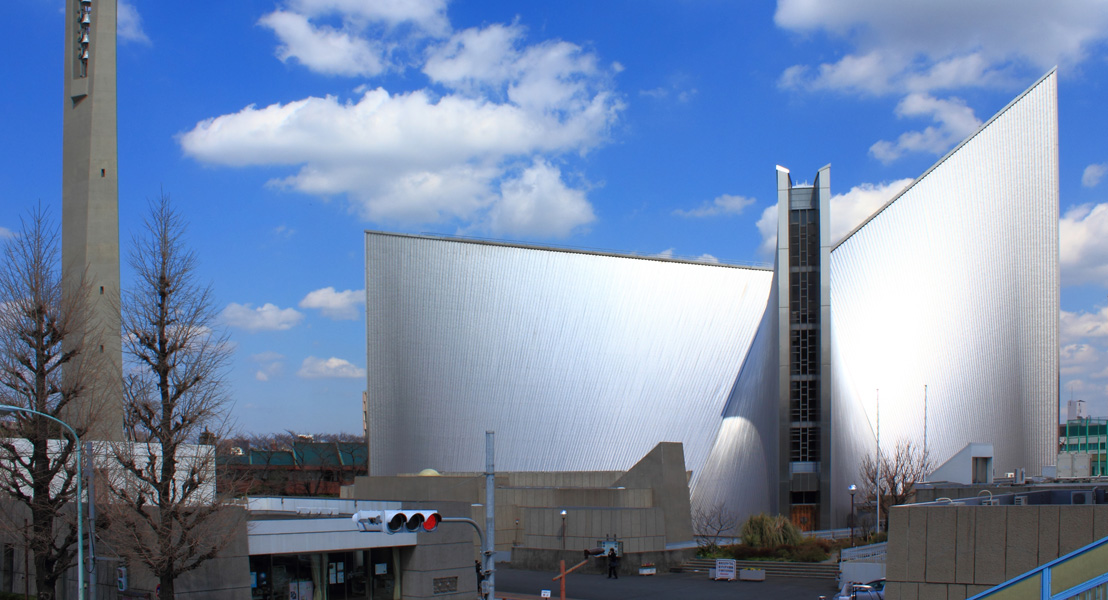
[(165, 511), (900, 472), (43, 367), (710, 524)]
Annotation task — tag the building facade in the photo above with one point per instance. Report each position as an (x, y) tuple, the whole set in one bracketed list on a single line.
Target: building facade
[(777, 381), (802, 275)]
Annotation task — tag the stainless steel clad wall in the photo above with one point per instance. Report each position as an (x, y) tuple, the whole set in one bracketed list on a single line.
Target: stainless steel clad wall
[(578, 361), (585, 361), (954, 285)]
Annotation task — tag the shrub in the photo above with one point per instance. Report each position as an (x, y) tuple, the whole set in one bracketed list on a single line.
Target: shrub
[(764, 531), (810, 551)]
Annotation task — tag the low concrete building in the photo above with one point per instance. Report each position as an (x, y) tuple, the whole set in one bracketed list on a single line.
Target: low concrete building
[(972, 464), (300, 548), (645, 510)]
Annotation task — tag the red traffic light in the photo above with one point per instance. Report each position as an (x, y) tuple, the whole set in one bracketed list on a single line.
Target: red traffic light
[(398, 521)]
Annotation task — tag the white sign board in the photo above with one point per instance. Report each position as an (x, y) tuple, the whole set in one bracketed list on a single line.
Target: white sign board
[(725, 569), (546, 593)]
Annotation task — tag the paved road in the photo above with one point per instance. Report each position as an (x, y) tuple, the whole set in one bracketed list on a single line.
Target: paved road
[(528, 585)]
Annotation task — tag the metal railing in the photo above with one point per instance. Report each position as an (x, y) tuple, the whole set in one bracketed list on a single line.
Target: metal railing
[(1079, 575), (869, 552)]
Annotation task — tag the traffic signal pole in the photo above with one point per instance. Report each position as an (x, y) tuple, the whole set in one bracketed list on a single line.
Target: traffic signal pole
[(395, 521)]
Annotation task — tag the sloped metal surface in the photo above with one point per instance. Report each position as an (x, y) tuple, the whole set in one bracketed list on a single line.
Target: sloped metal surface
[(741, 472), (954, 285), (578, 361)]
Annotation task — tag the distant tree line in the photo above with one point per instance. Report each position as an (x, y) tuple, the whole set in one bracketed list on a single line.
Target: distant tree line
[(291, 463)]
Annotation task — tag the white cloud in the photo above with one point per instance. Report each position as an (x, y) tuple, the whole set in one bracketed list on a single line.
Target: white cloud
[(848, 210), (851, 208), (955, 121), (682, 95), (926, 45), (343, 305), (920, 47), (1083, 245), (767, 226), (318, 368), (271, 365), (6, 234), (707, 258), (725, 204), (1093, 174), (129, 24), (284, 231), (426, 15), (1077, 358), (538, 202), (367, 36), (267, 317), (424, 156), (1083, 338), (323, 49), (667, 253), (1083, 327)]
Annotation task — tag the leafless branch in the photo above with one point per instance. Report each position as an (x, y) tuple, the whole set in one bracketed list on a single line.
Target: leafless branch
[(164, 493), (45, 323)]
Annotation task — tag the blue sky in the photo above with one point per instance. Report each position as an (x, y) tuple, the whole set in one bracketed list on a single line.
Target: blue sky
[(284, 128)]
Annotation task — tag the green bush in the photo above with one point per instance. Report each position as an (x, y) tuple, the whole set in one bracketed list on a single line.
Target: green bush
[(11, 596), (810, 551), (764, 531)]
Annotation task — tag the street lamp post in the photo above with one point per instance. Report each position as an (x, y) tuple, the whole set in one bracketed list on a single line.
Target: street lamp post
[(6, 409), (563, 529), (853, 490)]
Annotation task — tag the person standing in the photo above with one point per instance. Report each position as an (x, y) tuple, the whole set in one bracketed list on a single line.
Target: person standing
[(613, 564)]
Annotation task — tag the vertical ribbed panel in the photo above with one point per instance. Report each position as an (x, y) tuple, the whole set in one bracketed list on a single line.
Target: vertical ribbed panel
[(578, 361), (741, 472), (954, 285)]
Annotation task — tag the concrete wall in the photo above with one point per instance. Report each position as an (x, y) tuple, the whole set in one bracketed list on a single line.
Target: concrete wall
[(951, 552), (646, 506), (535, 559), (640, 530)]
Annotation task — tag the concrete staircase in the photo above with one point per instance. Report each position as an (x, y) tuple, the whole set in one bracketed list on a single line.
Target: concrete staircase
[(822, 570)]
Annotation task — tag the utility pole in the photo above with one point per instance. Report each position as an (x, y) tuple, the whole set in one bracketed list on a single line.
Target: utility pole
[(877, 480), (90, 469), (490, 515)]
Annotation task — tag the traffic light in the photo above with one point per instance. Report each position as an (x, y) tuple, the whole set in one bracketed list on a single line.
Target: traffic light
[(121, 578), (397, 521)]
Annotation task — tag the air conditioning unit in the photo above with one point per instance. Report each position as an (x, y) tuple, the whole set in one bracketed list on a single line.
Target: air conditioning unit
[(990, 502), (1020, 501), (1085, 497)]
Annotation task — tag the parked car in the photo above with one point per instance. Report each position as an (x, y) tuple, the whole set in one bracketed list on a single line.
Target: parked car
[(874, 590)]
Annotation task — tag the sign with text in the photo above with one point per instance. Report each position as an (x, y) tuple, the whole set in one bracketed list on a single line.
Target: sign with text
[(725, 569)]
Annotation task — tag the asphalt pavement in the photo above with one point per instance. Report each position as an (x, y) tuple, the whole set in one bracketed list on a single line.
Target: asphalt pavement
[(528, 585)]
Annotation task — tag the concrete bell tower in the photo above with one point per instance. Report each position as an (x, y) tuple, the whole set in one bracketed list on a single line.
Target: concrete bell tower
[(90, 192)]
